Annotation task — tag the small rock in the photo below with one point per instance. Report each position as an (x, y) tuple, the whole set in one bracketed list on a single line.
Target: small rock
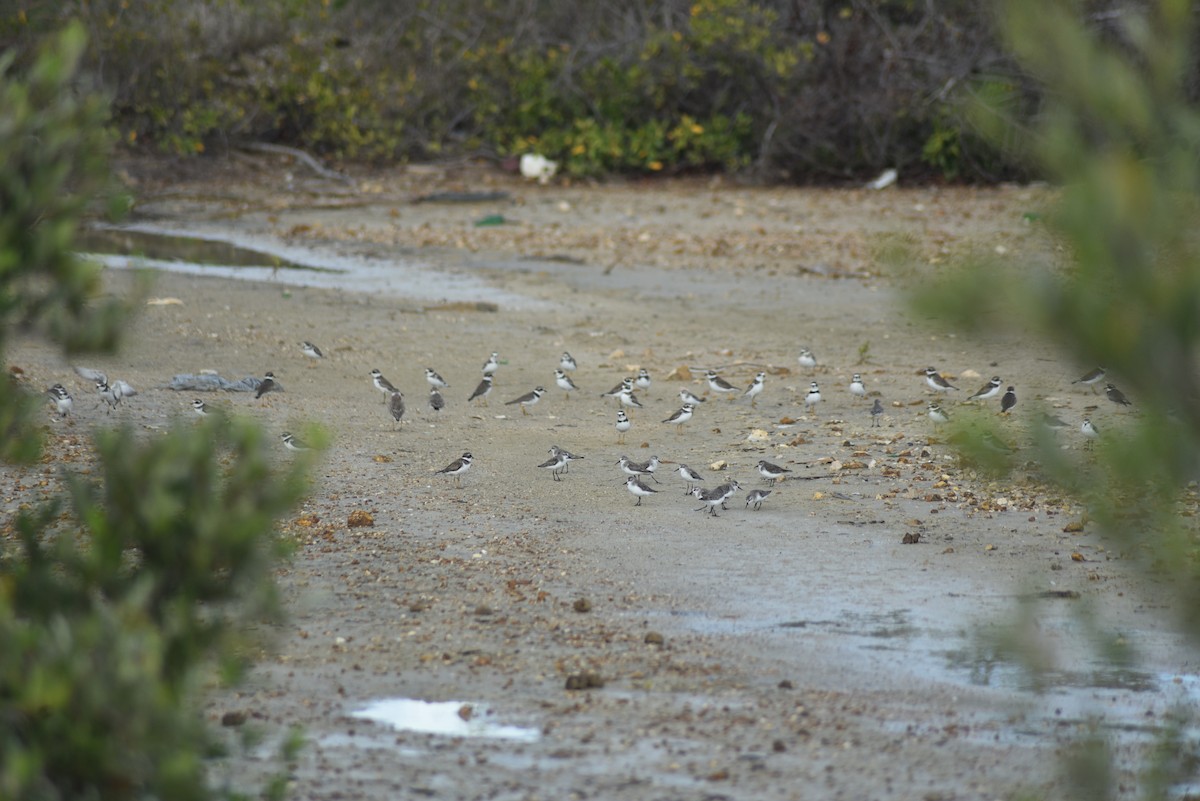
[(233, 718), (786, 684), (584, 680), (582, 605), (911, 538), (653, 638), (358, 519)]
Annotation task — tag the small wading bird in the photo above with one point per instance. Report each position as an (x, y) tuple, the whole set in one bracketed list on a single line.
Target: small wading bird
[(556, 464), (937, 382), (1091, 378), (564, 382), (719, 385), (623, 425), (638, 488), (293, 444), (268, 384), (807, 360), (396, 407), (528, 399), (680, 417), (988, 390), (63, 402), (857, 388), (382, 384), (481, 391), (756, 497), (756, 387), (311, 351), (456, 468)]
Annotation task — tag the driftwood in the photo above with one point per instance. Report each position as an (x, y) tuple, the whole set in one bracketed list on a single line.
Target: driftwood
[(300, 156)]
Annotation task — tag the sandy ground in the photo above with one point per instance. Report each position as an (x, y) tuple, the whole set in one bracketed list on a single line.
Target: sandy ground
[(798, 651)]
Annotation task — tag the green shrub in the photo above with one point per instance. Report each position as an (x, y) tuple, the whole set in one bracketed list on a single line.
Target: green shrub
[(123, 598), (797, 90)]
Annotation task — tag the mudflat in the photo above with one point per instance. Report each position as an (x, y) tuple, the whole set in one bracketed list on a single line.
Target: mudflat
[(840, 641)]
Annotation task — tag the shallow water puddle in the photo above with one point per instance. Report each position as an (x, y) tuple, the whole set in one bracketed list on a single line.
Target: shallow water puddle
[(156, 247), (223, 252), (449, 718)]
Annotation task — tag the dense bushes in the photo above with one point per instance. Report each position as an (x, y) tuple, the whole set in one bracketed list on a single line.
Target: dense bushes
[(799, 90)]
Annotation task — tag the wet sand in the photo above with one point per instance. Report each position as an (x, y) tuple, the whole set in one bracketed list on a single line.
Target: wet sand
[(801, 650)]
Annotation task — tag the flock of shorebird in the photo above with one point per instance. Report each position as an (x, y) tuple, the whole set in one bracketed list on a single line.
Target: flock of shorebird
[(625, 392)]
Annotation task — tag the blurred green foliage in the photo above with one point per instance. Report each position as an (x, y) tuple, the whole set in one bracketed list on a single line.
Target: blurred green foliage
[(818, 91), (1119, 132), (54, 145), (122, 599)]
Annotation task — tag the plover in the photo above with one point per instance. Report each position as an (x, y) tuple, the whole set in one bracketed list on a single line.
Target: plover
[(807, 360), (528, 399), (122, 388), (311, 351), (268, 384), (638, 488), (492, 364), (771, 472), (564, 382), (109, 395), (623, 425), (626, 385), (1091, 378), (937, 414), (719, 385), (857, 388), (456, 468), (1115, 395), (435, 380), (382, 384), (756, 497), (566, 362), (293, 444), (642, 381), (988, 390), (1089, 431), (63, 402), (396, 407), (936, 382), (1052, 422), (556, 464), (481, 391), (876, 413), (680, 417), (630, 400), (812, 397), (200, 407), (756, 387), (686, 396), (690, 476), (436, 401), (1009, 400)]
